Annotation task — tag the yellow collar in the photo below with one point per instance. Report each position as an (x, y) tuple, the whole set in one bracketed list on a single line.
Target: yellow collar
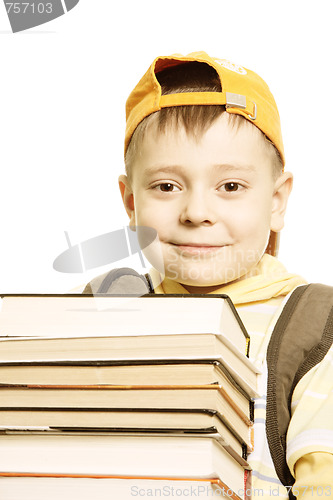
[(270, 279)]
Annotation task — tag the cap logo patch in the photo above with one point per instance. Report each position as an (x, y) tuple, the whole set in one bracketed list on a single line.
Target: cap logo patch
[(231, 66)]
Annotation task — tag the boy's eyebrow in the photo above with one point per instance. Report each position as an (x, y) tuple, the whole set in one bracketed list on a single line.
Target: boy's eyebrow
[(227, 167), (162, 168), (234, 166)]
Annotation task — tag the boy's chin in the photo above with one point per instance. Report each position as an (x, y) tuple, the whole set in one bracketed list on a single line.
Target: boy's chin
[(197, 286), (209, 285), (202, 288)]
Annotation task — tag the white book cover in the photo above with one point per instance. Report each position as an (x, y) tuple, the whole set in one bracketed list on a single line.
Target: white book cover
[(80, 315)]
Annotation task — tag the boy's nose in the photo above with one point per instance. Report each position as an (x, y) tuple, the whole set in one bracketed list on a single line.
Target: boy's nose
[(197, 210)]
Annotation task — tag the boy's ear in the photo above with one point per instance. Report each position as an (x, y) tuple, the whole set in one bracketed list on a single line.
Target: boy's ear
[(282, 189), (128, 198)]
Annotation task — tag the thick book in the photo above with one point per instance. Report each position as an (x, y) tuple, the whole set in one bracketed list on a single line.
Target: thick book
[(95, 373), (126, 351), (205, 397), (123, 456), (139, 421), (104, 487), (104, 315)]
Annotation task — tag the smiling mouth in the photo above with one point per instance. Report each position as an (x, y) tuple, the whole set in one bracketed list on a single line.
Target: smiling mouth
[(198, 249)]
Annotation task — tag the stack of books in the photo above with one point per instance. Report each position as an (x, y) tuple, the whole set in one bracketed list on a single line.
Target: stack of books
[(116, 397)]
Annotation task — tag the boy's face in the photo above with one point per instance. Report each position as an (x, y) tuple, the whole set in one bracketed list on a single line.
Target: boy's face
[(212, 201)]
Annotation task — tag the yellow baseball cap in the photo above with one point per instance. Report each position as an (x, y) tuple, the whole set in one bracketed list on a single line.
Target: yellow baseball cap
[(243, 92)]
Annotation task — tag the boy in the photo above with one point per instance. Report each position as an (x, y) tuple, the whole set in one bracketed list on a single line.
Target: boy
[(204, 162)]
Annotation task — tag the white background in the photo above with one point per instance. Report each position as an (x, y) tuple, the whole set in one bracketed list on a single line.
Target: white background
[(63, 88)]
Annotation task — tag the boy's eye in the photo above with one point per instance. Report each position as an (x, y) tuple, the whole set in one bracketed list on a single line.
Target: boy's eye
[(231, 187), (167, 187)]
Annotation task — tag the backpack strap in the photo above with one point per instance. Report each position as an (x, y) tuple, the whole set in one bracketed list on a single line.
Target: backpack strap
[(301, 338), (123, 281)]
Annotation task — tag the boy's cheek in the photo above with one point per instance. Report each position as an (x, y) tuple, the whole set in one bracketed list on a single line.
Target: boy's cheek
[(172, 272), (172, 257), (154, 254)]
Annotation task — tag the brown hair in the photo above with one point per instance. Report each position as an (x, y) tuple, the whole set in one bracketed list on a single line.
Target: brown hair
[(196, 119)]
